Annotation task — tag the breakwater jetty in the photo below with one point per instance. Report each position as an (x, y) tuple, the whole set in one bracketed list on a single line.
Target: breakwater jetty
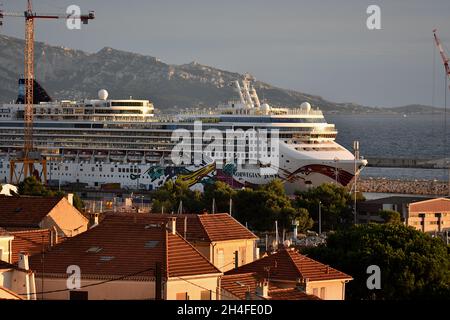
[(419, 187)]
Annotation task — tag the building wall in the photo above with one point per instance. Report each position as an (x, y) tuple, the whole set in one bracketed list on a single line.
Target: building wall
[(327, 290), (5, 247), (431, 222), (129, 290), (193, 286), (333, 289), (19, 282), (115, 290), (66, 218), (6, 278), (423, 215), (245, 248)]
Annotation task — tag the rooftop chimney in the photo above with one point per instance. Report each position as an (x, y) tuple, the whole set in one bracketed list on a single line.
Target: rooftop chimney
[(23, 261), (301, 284), (70, 198), (94, 219), (262, 289), (172, 224), (54, 236)]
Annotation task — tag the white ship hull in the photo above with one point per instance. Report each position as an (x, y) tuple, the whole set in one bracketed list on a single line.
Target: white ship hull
[(298, 170)]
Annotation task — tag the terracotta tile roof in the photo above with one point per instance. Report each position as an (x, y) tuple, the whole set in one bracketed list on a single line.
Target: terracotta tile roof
[(202, 227), (120, 247), (30, 241), (433, 205), (291, 265), (237, 285), (194, 229), (25, 211), (222, 227)]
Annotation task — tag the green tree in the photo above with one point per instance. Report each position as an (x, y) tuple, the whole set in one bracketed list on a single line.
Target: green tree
[(78, 203), (335, 205), (30, 186), (413, 264), (222, 193), (171, 193), (259, 207), (390, 216), (263, 206), (303, 220)]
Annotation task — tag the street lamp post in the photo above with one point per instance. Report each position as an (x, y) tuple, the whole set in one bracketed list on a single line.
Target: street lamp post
[(356, 157), (320, 218)]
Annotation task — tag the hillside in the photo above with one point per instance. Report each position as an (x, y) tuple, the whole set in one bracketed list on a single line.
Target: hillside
[(68, 73), (74, 74)]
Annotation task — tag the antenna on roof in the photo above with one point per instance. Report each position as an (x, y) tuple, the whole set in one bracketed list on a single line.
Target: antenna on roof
[(213, 211), (231, 206), (277, 240)]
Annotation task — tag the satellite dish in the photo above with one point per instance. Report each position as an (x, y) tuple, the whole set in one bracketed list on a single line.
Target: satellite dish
[(306, 106), (265, 109), (103, 94), (287, 243)]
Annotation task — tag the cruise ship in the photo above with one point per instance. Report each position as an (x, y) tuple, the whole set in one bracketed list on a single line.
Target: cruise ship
[(106, 142)]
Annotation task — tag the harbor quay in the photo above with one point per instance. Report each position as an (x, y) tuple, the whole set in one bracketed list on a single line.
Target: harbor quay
[(419, 187)]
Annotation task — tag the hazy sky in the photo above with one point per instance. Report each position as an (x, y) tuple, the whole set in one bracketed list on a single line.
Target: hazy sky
[(319, 47)]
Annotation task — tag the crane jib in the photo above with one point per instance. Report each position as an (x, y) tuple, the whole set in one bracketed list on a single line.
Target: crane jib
[(28, 157)]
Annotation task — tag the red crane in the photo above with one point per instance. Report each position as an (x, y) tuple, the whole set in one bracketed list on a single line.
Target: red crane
[(28, 157), (444, 57)]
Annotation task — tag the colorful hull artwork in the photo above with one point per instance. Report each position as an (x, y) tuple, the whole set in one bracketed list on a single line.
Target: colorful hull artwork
[(343, 177), (209, 173)]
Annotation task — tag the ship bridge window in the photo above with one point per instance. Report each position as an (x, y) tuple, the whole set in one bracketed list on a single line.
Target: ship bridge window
[(126, 104), (272, 120)]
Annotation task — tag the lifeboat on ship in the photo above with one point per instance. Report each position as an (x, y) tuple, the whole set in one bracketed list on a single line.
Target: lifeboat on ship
[(101, 155), (116, 156), (135, 156), (85, 154)]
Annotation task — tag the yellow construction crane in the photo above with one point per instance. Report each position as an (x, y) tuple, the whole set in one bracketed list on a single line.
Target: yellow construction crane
[(29, 157)]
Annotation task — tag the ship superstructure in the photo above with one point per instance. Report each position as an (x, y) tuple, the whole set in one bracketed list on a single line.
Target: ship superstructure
[(107, 141)]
